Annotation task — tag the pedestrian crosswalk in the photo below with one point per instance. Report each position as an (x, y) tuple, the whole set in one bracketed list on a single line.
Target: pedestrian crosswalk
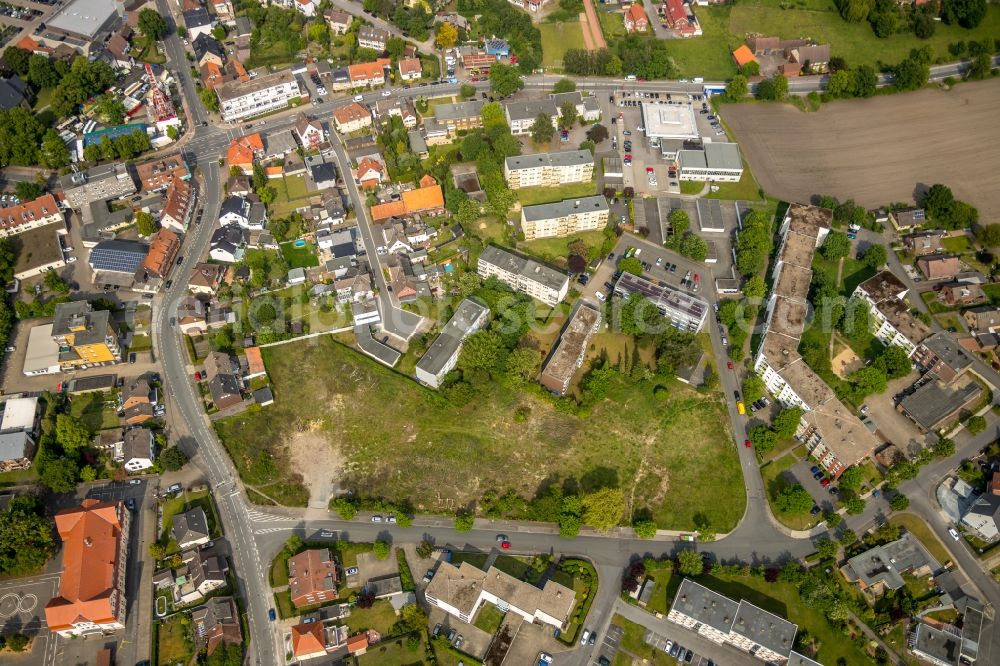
[(272, 530), (262, 517)]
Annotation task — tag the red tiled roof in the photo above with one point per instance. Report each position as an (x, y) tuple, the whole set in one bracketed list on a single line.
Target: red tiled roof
[(743, 55), (307, 639), (242, 150), (350, 113), (409, 66), (27, 212)]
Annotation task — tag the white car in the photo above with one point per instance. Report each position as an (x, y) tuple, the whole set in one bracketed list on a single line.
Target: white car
[(386, 93), (70, 260), (359, 98), (600, 296), (586, 636), (954, 534)]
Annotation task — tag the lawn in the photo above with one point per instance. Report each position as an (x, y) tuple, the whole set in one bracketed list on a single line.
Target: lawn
[(140, 343), (957, 244), (348, 551), (746, 189), (299, 257), (43, 99), (611, 20), (933, 304), (379, 617), (146, 51), (708, 55), (632, 642), (557, 38), (394, 652), (380, 423), (774, 483), (854, 42), (918, 528), (291, 190), (90, 408), (279, 569), (556, 250), (529, 196), (691, 187), (489, 618), (173, 642), (283, 601)]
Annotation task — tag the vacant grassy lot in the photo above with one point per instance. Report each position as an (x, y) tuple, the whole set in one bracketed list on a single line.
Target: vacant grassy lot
[(557, 38), (529, 196), (556, 250), (379, 617), (774, 483), (877, 150), (708, 55), (394, 652), (173, 643), (90, 408), (397, 440), (633, 643)]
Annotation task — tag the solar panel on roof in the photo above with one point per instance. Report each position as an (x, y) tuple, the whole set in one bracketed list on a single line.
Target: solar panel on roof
[(115, 259)]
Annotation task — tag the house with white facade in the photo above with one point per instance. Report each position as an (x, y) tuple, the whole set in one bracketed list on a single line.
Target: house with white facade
[(442, 355), (461, 591), (889, 315), (259, 95), (563, 218), (548, 169), (235, 210), (138, 450), (528, 276)]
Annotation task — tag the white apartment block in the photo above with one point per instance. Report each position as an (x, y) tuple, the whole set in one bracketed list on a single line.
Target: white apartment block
[(442, 355), (889, 316), (716, 162), (525, 275), (548, 169), (29, 215), (564, 217), (238, 100)]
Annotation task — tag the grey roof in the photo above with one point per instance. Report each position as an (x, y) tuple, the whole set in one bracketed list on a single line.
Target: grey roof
[(712, 156), (189, 526), (84, 17), (373, 347), (886, 563), (243, 26), (138, 444), (941, 645), (371, 33), (14, 445), (528, 268), (234, 205), (566, 207), (417, 143), (560, 159), (946, 349), (263, 395), (228, 238), (77, 314), (258, 213), (454, 332), (935, 401), (118, 256), (796, 659), (325, 172), (196, 18), (204, 44), (529, 109), (11, 93), (764, 628), (237, 89), (344, 244), (458, 111), (704, 605), (385, 586)]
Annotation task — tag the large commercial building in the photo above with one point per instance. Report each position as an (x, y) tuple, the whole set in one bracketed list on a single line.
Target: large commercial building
[(91, 597), (110, 181), (832, 433), (722, 620), (684, 310), (717, 162), (84, 335), (548, 169), (84, 22), (571, 348), (563, 218), (441, 357), (269, 92), (461, 591), (890, 317), (525, 275), (669, 121)]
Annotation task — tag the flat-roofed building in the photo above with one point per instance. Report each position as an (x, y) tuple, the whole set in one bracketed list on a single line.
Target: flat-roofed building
[(20, 414), (442, 355), (890, 318), (935, 405), (260, 95), (833, 435), (940, 647), (941, 356), (548, 169), (563, 218), (39, 250), (109, 181), (668, 121), (461, 591), (718, 162), (722, 620), (84, 21), (684, 310), (17, 450), (42, 356), (571, 348), (528, 276)]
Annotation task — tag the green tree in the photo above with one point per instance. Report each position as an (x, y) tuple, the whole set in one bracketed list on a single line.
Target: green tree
[(899, 502), (911, 74), (59, 475), (966, 13), (54, 151), (753, 388), (17, 642), (564, 85), (17, 59), (380, 550), (151, 24), (71, 433), (467, 90), (848, 537), (773, 89), (345, 508), (737, 89), (604, 508), (832, 519), (522, 363), (875, 256), (787, 421), (567, 115), (852, 478), (865, 81), (209, 99), (26, 538), (447, 36), (483, 350), (157, 550), (976, 424), (144, 224), (827, 548), (794, 499), (318, 32), (869, 380), (542, 130), (842, 83), (55, 283), (88, 474), (644, 529), (505, 79), (173, 459), (987, 234), (631, 265), (464, 522), (945, 447), (690, 563), (754, 287), (762, 438), (937, 201), (42, 73), (836, 246), (855, 506), (425, 549), (395, 47), (694, 247)]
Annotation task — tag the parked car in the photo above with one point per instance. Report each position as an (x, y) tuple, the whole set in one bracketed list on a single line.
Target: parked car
[(954, 534), (351, 571), (437, 630), (10, 348), (197, 375), (451, 634), (131, 357), (271, 615), (135, 482), (814, 510), (326, 534), (817, 475), (390, 519), (459, 640), (593, 638), (586, 637), (825, 483), (729, 365), (428, 575), (747, 444), (376, 519)]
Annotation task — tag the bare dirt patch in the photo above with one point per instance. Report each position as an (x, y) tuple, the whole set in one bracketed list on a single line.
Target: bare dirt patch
[(311, 453), (845, 363), (878, 150)]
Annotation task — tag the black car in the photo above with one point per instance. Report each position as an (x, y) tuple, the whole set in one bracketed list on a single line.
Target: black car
[(608, 285), (834, 490), (818, 475), (688, 657), (814, 510), (131, 357), (736, 395), (611, 256)]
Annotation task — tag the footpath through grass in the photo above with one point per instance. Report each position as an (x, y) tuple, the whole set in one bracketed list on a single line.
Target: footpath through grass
[(671, 453)]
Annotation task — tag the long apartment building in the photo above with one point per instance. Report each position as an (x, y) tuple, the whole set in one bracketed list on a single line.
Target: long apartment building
[(684, 310), (528, 276), (29, 215), (442, 356), (571, 348), (890, 318), (269, 92), (548, 169), (563, 218), (741, 624), (831, 432), (91, 597)]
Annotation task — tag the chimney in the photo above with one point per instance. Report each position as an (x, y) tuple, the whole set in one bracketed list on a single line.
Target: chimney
[(88, 542)]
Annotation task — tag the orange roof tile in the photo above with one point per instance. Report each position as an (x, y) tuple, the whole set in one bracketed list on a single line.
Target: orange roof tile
[(385, 211), (355, 643), (424, 198), (428, 181), (637, 13), (255, 362), (307, 639), (367, 164), (242, 150), (368, 70), (274, 171), (29, 211), (162, 252), (743, 55), (409, 66), (350, 113), (90, 534)]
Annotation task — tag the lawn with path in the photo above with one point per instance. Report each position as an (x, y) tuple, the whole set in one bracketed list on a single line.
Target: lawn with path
[(557, 38), (399, 440)]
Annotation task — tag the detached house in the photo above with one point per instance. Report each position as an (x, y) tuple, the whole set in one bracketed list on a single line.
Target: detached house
[(409, 69), (939, 267), (309, 132), (635, 18), (351, 118), (228, 244), (190, 529), (206, 278), (217, 623), (224, 383), (244, 150), (372, 38), (370, 174), (339, 22), (138, 450), (312, 577), (235, 210), (207, 49)]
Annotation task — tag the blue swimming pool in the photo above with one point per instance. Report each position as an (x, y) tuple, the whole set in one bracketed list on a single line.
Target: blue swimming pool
[(299, 243)]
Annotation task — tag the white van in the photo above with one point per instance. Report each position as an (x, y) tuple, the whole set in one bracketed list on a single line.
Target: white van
[(359, 98), (630, 77), (699, 79)]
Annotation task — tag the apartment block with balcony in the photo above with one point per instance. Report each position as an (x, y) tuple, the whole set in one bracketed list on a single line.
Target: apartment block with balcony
[(548, 169), (269, 92), (564, 217), (890, 317), (528, 276)]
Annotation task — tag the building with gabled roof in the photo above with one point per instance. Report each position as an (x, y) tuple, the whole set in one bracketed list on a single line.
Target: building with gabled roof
[(309, 132), (178, 206), (29, 215), (156, 175), (163, 249), (312, 577), (217, 622), (91, 599), (190, 529), (442, 354), (368, 73), (428, 199), (351, 118), (635, 18), (370, 173), (244, 150), (409, 69)]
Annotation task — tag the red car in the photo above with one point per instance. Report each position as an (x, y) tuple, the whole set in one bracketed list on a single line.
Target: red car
[(628, 156), (729, 364), (503, 541), (505, 545), (746, 443), (197, 376), (649, 169), (824, 482)]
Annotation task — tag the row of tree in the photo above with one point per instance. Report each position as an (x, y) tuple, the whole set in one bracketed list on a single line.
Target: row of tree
[(641, 55)]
